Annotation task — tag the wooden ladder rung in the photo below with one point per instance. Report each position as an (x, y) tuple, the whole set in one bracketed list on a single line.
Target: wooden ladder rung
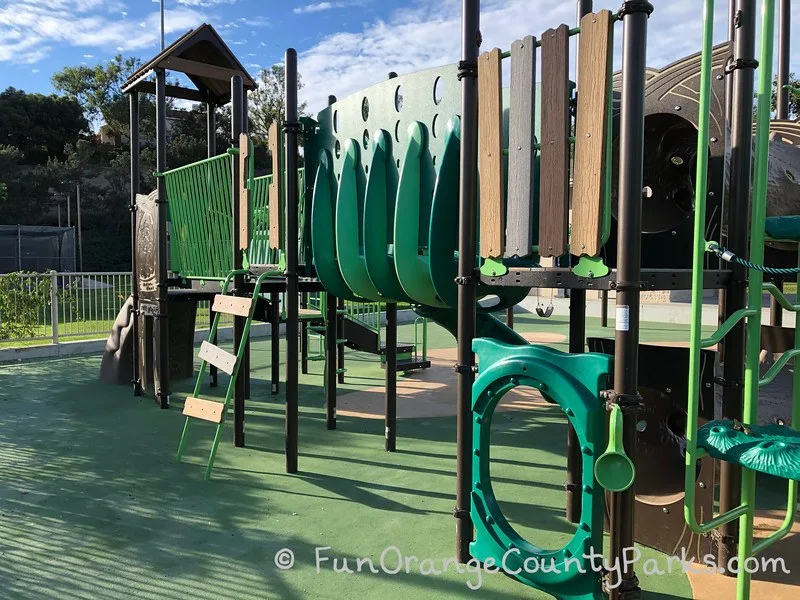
[(232, 305), (207, 410), (223, 360)]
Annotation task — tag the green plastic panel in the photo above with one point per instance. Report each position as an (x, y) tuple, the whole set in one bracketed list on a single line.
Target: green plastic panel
[(410, 255), (349, 228), (323, 227), (772, 449), (378, 225), (574, 382), (783, 228), (199, 196)]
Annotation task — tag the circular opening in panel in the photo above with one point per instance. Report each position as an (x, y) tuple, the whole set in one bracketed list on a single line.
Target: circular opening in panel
[(336, 121), (435, 126), (438, 90), (366, 139), (337, 148), (398, 98), (397, 131), (365, 109)]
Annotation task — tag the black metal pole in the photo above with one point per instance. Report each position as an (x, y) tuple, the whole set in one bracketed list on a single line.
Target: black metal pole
[(244, 372), (237, 127), (340, 334), (737, 220), (604, 308), (629, 250), (390, 418), (577, 341), (303, 337), (332, 326), (467, 242), (134, 137), (275, 341), (510, 317), (291, 130), (211, 145), (162, 320)]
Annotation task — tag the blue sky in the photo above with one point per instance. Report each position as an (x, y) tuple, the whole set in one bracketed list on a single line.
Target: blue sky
[(344, 45)]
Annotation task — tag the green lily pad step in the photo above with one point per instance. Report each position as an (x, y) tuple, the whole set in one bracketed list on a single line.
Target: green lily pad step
[(770, 449), (783, 228)]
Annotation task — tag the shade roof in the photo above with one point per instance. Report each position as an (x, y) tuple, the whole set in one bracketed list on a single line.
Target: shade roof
[(204, 58)]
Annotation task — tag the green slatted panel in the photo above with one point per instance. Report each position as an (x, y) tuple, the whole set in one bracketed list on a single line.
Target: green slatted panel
[(260, 253), (199, 198)]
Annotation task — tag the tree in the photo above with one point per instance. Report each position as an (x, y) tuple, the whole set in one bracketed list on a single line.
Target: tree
[(98, 90), (794, 96), (39, 126), (267, 103)]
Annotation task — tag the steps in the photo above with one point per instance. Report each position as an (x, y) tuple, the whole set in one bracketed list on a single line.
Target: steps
[(213, 411)]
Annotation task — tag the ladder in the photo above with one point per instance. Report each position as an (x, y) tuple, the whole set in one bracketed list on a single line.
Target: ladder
[(214, 411)]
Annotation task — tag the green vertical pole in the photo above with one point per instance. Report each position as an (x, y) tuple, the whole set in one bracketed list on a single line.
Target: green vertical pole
[(758, 217), (696, 324)]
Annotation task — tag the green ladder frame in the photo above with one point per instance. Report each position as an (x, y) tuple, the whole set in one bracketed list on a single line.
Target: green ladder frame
[(220, 419), (752, 314)]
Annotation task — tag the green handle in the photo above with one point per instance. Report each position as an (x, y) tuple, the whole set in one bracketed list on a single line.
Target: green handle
[(614, 470)]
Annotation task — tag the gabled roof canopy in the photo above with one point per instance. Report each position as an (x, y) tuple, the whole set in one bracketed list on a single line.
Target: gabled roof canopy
[(204, 58)]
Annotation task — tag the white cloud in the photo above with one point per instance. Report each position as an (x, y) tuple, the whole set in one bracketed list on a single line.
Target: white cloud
[(317, 7), (428, 35), (30, 29), (203, 3), (34, 70), (88, 56)]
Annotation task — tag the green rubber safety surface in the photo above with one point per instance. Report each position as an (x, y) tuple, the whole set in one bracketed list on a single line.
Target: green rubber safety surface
[(771, 449), (92, 504)]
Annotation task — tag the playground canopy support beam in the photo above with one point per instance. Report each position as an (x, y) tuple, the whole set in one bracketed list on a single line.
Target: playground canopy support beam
[(161, 378), (211, 143), (467, 273), (738, 198), (291, 129), (635, 15), (134, 137), (237, 127), (390, 418)]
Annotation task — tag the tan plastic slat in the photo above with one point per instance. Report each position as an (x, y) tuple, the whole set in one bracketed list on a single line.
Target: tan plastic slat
[(554, 161), (244, 193), (207, 410), (223, 360), (275, 213), (490, 149), (521, 154), (232, 305), (591, 128)]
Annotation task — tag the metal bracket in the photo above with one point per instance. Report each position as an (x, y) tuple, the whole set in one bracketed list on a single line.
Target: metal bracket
[(292, 127), (460, 513), (630, 7), (628, 403), (626, 285), (572, 487), (467, 68), (464, 369), (741, 63)]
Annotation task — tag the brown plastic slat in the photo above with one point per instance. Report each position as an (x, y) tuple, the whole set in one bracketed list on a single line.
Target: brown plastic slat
[(244, 193), (232, 305), (207, 410), (275, 221), (223, 360), (521, 153), (490, 149), (554, 161), (591, 128)]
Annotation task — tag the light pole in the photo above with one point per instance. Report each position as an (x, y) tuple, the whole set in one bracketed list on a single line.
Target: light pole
[(162, 24)]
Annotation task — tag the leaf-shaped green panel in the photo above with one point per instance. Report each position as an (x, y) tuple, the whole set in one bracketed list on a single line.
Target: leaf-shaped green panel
[(378, 225), (322, 231), (410, 256), (348, 246), (443, 234)]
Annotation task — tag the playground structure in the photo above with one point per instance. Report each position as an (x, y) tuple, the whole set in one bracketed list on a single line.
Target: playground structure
[(369, 219)]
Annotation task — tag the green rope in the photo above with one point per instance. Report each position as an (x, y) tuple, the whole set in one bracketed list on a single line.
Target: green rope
[(730, 257)]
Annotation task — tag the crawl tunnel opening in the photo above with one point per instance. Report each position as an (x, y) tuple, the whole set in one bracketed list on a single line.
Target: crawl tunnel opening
[(670, 166), (528, 467)]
